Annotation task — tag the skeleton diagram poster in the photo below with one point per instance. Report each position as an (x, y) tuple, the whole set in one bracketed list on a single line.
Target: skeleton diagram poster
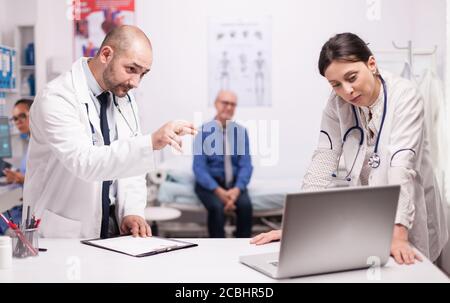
[(240, 60), (94, 19)]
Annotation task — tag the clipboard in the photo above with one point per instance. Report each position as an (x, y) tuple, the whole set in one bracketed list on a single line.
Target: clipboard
[(139, 247)]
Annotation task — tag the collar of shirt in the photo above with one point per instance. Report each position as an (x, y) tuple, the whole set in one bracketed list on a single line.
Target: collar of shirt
[(92, 83), (221, 127), (377, 111)]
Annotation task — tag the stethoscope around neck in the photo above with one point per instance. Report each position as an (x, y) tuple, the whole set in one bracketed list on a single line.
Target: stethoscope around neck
[(374, 160), (134, 132)]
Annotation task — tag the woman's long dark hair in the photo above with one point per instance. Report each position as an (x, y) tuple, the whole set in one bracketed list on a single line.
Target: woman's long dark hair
[(343, 47)]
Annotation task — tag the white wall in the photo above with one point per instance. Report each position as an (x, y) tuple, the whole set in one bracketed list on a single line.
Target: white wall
[(177, 85), (2, 18), (17, 12), (54, 36), (429, 29)]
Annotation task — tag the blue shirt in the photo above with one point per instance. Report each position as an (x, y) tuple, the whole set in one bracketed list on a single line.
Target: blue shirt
[(23, 163), (16, 216), (209, 155), (16, 212)]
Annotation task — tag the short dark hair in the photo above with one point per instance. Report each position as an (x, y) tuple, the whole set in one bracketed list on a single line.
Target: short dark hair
[(343, 47), (27, 102)]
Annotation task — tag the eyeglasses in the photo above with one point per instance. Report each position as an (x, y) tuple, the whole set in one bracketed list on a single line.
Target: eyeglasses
[(21, 116), (228, 103)]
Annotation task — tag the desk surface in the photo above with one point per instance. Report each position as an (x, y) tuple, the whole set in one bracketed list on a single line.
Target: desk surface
[(212, 261)]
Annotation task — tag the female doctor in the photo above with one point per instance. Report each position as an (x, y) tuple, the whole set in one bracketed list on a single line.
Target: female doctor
[(374, 123)]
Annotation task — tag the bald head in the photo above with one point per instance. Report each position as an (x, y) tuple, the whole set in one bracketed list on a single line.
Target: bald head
[(226, 102), (226, 95), (125, 38)]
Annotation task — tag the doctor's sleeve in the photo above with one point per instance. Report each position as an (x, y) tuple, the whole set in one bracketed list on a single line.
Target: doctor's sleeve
[(406, 140), (135, 199), (58, 123), (325, 157)]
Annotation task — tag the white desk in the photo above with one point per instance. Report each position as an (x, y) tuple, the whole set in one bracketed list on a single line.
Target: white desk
[(212, 261)]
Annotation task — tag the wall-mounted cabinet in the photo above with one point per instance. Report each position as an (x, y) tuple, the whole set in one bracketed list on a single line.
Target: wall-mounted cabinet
[(7, 69), (8, 80), (26, 71)]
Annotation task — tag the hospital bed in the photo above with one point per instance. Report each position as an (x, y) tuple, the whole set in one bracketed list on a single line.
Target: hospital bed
[(176, 190)]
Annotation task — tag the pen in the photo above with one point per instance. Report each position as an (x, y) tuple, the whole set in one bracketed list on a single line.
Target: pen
[(9, 215), (33, 221), (27, 222)]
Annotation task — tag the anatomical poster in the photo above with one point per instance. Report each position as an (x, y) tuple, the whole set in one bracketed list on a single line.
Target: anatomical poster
[(94, 19), (240, 59)]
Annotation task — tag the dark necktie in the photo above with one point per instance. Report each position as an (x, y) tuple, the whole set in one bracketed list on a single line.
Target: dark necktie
[(103, 99)]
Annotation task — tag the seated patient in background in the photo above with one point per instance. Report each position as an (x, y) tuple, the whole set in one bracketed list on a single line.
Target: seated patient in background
[(223, 168)]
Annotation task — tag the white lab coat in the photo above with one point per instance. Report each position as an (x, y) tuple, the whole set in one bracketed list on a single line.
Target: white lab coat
[(65, 170), (434, 100), (420, 207)]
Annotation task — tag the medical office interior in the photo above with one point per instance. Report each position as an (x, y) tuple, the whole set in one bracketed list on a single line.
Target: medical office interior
[(260, 54)]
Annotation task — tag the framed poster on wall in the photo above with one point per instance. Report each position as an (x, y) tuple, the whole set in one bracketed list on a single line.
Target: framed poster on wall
[(95, 19), (240, 59)]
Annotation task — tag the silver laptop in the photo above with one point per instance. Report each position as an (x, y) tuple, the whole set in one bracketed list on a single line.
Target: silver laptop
[(332, 230)]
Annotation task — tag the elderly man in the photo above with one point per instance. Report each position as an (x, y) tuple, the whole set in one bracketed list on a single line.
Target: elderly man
[(223, 168)]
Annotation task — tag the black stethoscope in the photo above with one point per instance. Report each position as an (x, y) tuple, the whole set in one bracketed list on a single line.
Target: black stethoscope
[(134, 132), (374, 160)]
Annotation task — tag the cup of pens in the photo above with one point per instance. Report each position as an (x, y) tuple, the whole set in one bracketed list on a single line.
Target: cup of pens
[(24, 240), (26, 243)]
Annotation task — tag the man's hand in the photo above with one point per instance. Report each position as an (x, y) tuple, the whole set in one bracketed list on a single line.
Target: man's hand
[(135, 225), (13, 176), (230, 206), (401, 250), (171, 133), (222, 194), (234, 193), (226, 199)]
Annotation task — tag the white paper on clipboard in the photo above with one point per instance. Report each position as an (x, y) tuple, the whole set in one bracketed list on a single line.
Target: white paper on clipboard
[(138, 246)]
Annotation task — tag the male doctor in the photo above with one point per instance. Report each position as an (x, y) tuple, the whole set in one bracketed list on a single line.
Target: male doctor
[(87, 158)]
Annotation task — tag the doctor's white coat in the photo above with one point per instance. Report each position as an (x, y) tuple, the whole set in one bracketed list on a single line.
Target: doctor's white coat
[(405, 159), (65, 170)]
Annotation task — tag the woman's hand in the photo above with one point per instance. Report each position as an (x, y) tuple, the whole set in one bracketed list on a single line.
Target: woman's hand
[(401, 250), (265, 238), (13, 176)]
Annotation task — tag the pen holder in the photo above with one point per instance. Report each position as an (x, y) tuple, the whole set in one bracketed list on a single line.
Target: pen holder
[(25, 243)]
